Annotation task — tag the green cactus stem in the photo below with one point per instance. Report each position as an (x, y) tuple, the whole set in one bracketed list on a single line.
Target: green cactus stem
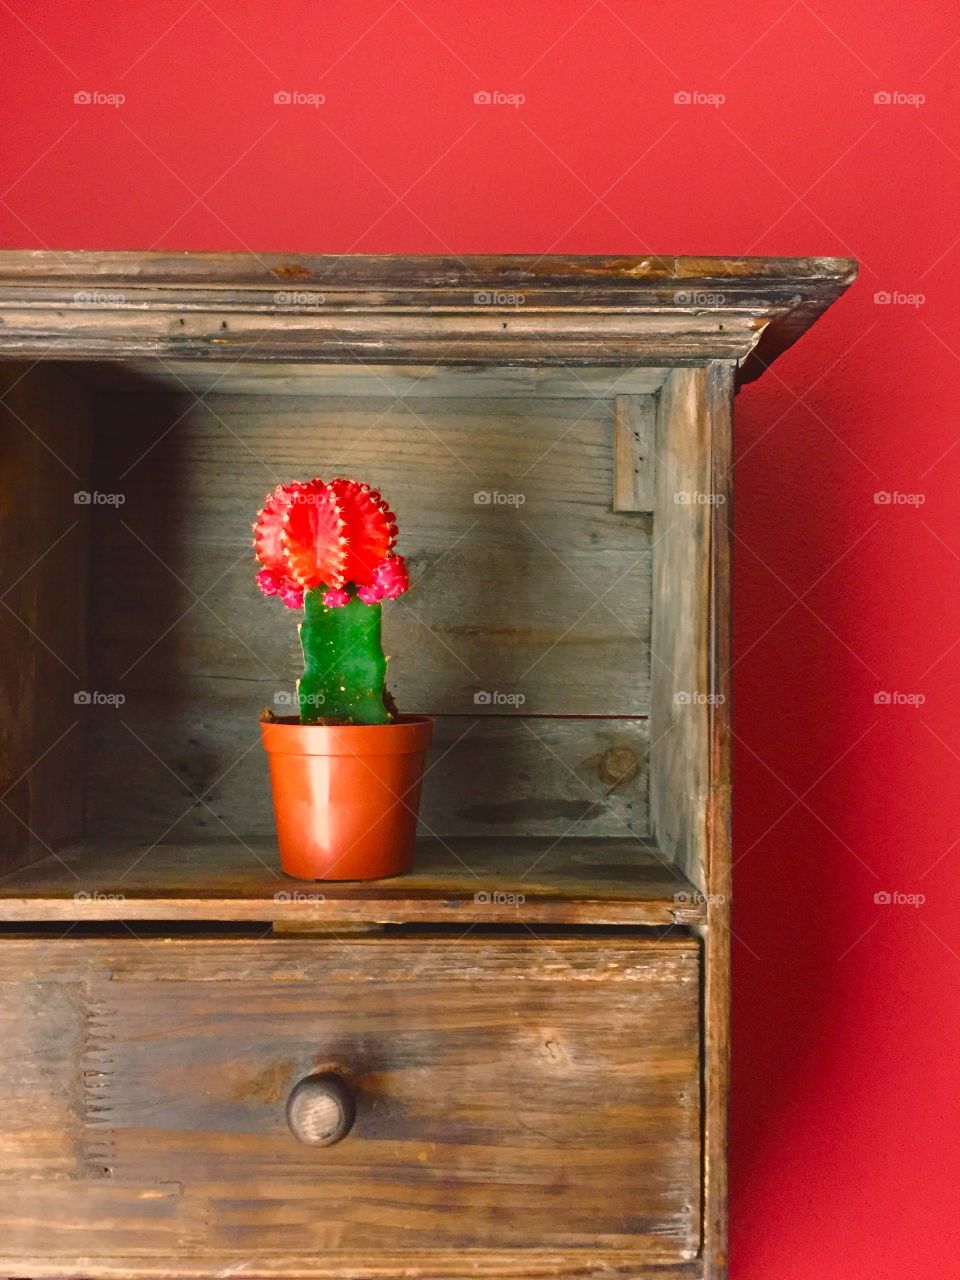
[(344, 665)]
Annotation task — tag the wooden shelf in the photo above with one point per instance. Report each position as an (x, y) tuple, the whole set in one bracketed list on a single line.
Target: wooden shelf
[(470, 881)]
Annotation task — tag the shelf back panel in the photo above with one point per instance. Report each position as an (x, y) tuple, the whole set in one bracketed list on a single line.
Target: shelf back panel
[(526, 632)]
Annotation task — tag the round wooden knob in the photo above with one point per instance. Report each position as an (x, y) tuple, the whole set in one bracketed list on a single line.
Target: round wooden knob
[(321, 1110)]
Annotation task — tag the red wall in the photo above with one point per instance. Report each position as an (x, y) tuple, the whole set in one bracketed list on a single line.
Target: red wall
[(845, 1159)]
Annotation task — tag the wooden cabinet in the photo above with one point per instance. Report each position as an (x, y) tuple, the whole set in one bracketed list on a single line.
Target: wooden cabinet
[(522, 1046)]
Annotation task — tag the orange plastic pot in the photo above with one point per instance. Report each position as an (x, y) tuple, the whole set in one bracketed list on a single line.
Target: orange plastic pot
[(345, 797)]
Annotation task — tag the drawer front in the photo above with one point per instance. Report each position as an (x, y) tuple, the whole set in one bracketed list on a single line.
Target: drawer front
[(527, 1098)]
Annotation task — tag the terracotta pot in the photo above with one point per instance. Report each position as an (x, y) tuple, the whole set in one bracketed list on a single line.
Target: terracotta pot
[(345, 797)]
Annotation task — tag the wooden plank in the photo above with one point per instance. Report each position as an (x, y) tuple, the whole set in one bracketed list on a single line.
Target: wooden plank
[(538, 777), (468, 880), (71, 1220), (393, 381), (431, 457), (634, 441), (185, 768), (42, 1102), (555, 1108), (540, 644), (681, 626), (719, 850), (568, 311), (44, 555), (691, 724), (419, 274), (541, 1264), (524, 581)]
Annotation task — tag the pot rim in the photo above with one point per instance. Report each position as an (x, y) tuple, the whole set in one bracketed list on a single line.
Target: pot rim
[(287, 736)]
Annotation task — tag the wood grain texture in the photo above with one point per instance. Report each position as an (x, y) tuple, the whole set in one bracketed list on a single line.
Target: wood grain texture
[(512, 1096), (365, 380), (691, 724), (524, 610), (634, 446), (44, 555), (42, 1091), (522, 575), (467, 880), (719, 398), (680, 641), (591, 311), (194, 769), (542, 1264)]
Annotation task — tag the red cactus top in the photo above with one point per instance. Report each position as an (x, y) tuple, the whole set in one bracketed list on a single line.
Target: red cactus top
[(337, 533)]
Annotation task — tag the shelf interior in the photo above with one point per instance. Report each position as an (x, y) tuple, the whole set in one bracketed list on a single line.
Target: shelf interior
[(556, 636), (473, 880)]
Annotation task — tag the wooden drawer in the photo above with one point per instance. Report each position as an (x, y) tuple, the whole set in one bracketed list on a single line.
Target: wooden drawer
[(524, 1106)]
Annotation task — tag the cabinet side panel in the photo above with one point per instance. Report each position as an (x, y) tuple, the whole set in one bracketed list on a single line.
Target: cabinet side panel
[(719, 834), (44, 551), (691, 727), (680, 626)]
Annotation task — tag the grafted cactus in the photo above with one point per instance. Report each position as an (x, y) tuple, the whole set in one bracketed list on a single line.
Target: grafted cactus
[(327, 548)]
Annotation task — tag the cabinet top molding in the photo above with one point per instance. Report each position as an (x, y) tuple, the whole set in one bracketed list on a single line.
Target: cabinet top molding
[(518, 309)]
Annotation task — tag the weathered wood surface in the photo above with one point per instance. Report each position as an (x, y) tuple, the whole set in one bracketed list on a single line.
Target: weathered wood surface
[(590, 311), (521, 572), (466, 880), (634, 447), (42, 1097), (44, 556), (719, 848), (691, 724), (518, 609), (680, 640), (478, 1265), (422, 276), (512, 1096), (365, 380), (171, 770)]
